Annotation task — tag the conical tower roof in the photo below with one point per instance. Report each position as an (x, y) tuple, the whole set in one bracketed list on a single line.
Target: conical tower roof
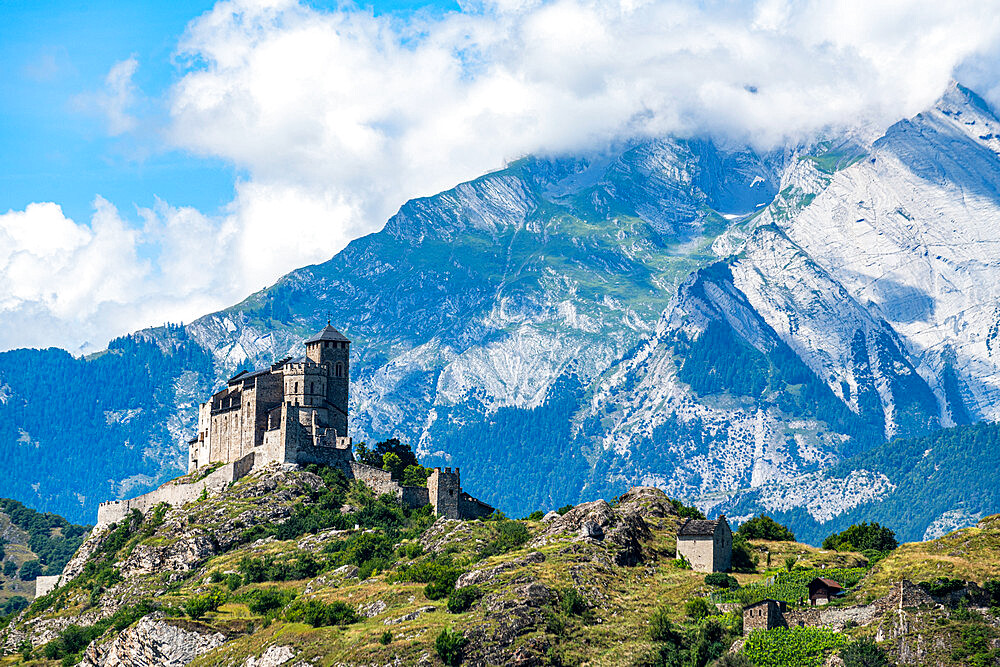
[(328, 333)]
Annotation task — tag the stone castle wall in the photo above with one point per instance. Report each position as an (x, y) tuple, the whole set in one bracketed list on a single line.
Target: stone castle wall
[(173, 494)]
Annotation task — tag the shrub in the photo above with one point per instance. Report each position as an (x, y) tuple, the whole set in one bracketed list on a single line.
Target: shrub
[(30, 570), (461, 599), (13, 605), (537, 515), (790, 562), (744, 559), (505, 536), (216, 577), (681, 562), (992, 588), (385, 638), (572, 603), (564, 509), (450, 645), (765, 528), (233, 581), (9, 568), (392, 464), (686, 511), (697, 608), (942, 586), (438, 573), (199, 605), (660, 627), (267, 600), (317, 614), (415, 475), (864, 653), (862, 536), (410, 550), (721, 580)]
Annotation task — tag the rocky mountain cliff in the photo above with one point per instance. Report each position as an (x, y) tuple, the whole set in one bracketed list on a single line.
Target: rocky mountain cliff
[(718, 322)]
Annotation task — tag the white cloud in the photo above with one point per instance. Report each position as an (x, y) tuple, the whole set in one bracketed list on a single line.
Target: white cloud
[(335, 118), (349, 114), (76, 285), (116, 100)]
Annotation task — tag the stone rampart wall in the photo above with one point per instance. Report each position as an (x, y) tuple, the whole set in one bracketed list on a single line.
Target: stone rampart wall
[(173, 494), (379, 481), (414, 496), (45, 585)]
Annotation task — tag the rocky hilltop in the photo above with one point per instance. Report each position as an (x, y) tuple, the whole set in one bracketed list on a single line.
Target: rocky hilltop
[(298, 567)]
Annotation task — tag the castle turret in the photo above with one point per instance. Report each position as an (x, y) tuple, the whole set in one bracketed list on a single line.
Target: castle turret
[(331, 347)]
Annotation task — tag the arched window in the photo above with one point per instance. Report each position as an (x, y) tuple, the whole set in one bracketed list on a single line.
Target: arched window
[(340, 369)]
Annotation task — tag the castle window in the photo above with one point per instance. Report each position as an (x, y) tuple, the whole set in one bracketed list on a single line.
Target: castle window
[(326, 345), (340, 369), (312, 387), (295, 386)]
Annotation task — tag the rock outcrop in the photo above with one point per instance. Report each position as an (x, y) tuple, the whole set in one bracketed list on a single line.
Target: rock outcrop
[(153, 642)]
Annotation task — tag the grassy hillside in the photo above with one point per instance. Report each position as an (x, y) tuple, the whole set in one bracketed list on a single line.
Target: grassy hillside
[(31, 543), (305, 564)]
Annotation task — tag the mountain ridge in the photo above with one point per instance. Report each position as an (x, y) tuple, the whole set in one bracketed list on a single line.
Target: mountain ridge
[(545, 313)]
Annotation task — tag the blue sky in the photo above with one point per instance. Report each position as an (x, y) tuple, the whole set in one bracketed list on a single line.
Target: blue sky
[(162, 160), (55, 53)]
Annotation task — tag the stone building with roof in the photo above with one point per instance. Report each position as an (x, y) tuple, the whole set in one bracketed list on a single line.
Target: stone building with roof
[(294, 411), (706, 544), (764, 615), (823, 591)]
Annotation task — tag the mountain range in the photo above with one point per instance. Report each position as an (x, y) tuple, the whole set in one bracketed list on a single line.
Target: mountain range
[(771, 331)]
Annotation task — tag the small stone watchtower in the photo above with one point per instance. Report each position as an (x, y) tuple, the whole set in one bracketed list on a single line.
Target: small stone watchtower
[(332, 347), (444, 490)]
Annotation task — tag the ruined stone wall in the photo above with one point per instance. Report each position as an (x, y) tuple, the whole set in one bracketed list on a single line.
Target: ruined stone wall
[(700, 552), (379, 481), (173, 494), (414, 496), (46, 584), (471, 508)]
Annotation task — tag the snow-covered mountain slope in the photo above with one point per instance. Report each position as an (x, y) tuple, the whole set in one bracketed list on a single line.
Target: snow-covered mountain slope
[(728, 325)]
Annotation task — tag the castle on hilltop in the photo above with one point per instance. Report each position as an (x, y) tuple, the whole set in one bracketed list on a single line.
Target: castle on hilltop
[(293, 412)]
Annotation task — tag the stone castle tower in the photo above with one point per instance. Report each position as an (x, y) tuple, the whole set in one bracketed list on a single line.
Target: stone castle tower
[(295, 411), (330, 348)]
